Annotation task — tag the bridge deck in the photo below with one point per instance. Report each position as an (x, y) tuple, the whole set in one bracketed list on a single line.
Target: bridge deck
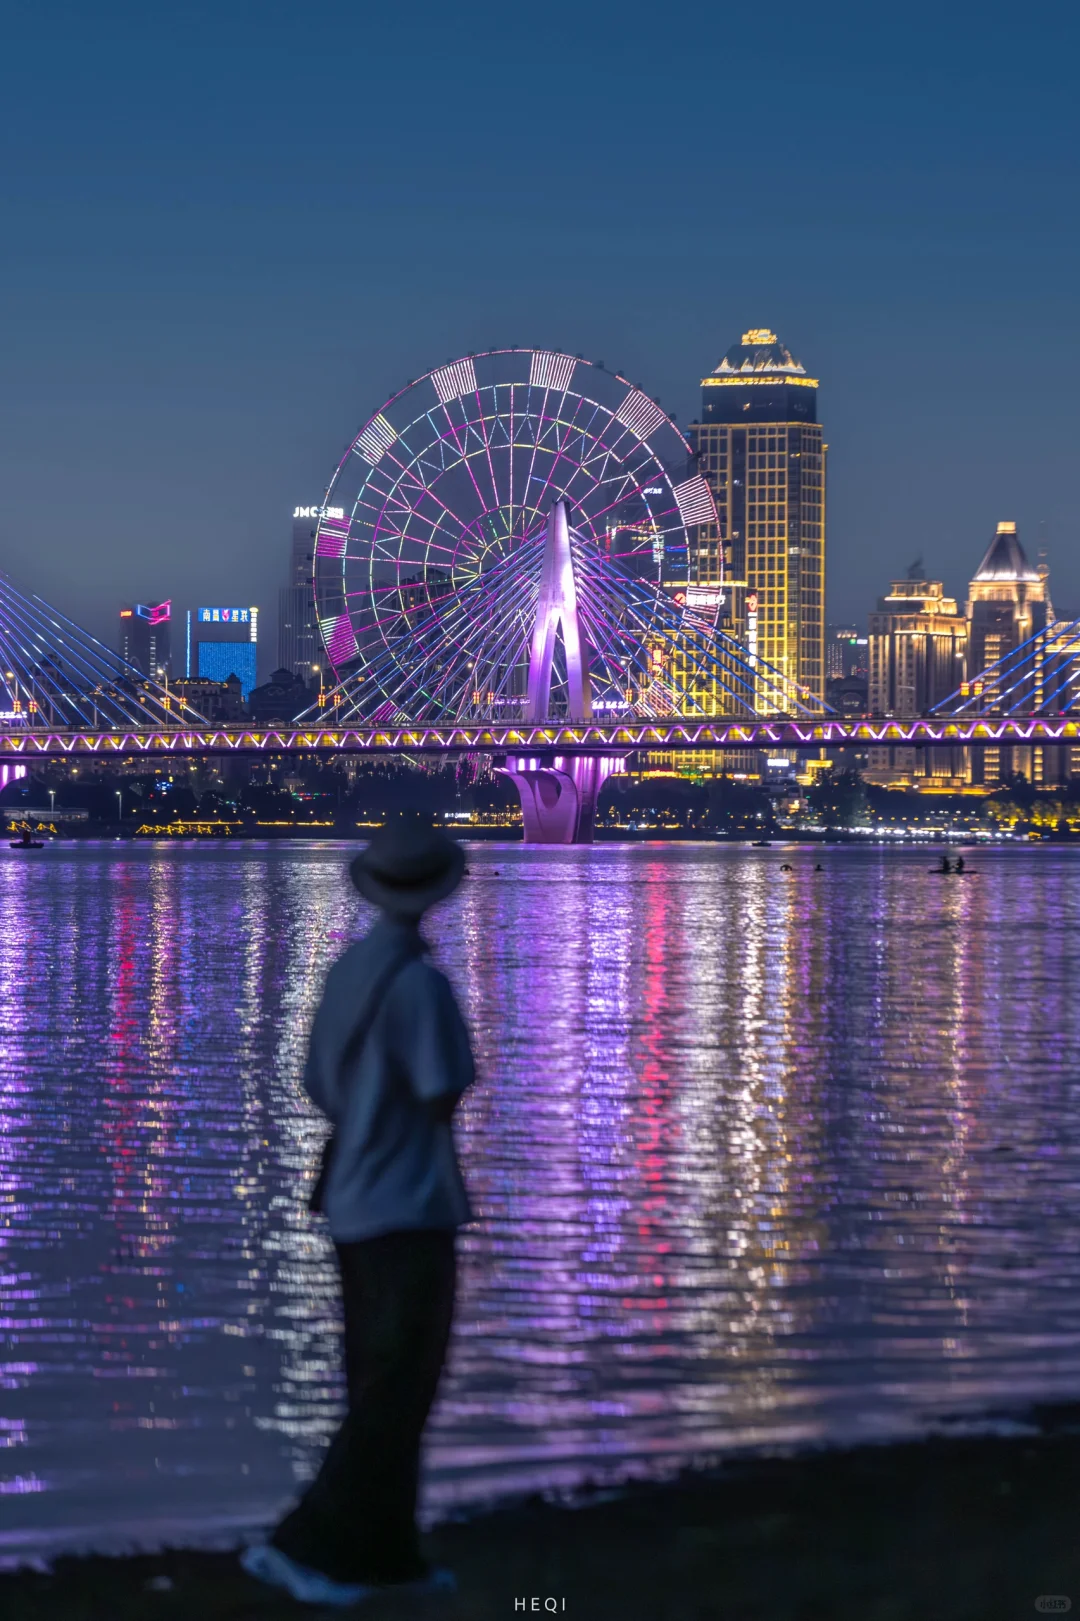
[(584, 738)]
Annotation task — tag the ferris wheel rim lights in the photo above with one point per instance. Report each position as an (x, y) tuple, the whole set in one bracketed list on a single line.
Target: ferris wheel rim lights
[(429, 503)]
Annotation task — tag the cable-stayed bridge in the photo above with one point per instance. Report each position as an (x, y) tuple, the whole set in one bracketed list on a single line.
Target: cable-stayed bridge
[(505, 564)]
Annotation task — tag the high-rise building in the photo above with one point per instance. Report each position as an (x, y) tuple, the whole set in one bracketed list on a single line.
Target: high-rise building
[(228, 645), (918, 639), (144, 637), (300, 648), (1008, 602), (846, 653), (760, 446)]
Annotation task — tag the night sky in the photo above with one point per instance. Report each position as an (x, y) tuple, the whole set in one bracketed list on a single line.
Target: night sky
[(228, 231)]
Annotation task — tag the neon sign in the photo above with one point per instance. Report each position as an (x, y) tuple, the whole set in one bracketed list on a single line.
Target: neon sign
[(318, 512), (156, 613), (226, 616)]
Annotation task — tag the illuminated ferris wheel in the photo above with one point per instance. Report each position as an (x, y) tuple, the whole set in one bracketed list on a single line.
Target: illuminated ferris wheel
[(430, 546)]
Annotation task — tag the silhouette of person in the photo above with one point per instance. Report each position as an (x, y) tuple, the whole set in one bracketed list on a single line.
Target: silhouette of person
[(785, 867), (945, 864), (388, 1060), (819, 868), (959, 864)]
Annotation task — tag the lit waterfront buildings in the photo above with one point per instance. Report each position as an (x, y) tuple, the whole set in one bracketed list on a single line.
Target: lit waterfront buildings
[(760, 446), (924, 650), (917, 646)]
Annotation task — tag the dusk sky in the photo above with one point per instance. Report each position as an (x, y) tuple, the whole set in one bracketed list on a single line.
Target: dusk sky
[(230, 230)]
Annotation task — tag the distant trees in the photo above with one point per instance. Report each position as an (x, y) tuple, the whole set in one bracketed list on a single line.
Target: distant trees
[(838, 798), (718, 804)]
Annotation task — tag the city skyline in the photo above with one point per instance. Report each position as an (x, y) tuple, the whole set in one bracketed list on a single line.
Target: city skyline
[(177, 383)]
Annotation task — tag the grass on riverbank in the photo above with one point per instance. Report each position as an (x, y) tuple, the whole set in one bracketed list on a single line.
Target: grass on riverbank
[(970, 1529)]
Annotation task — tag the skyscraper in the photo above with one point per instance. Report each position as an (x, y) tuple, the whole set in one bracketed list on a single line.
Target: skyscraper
[(144, 637), (1008, 601), (228, 645), (918, 639), (300, 646), (760, 446)]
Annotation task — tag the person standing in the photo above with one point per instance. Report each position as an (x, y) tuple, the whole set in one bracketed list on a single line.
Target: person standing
[(389, 1059)]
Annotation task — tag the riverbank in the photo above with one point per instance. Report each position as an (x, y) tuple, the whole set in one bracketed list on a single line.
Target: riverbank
[(970, 1528)]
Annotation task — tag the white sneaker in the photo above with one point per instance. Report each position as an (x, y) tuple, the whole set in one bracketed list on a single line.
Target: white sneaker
[(268, 1564)]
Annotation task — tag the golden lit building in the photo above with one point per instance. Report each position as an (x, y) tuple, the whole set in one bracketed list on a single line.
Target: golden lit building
[(760, 446), (1008, 601), (917, 647)]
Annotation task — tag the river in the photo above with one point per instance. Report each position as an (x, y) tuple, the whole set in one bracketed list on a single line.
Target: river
[(757, 1159)]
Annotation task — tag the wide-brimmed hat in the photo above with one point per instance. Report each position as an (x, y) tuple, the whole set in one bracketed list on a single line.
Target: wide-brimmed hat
[(407, 867)]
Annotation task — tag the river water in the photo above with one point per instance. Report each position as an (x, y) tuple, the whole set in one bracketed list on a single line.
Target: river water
[(758, 1158)]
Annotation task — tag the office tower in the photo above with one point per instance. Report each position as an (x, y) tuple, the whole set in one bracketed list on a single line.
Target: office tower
[(1008, 601), (300, 648), (845, 653), (228, 645), (918, 641), (760, 446), (144, 637), (302, 558), (299, 641)]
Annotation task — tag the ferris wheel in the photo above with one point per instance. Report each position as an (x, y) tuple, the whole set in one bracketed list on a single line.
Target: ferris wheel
[(430, 544)]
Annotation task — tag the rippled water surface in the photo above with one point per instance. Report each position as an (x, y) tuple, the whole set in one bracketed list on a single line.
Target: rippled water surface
[(756, 1157)]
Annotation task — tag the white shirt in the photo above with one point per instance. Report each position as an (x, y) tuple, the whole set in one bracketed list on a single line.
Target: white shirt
[(393, 1166)]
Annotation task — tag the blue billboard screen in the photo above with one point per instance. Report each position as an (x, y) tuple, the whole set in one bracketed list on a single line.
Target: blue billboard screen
[(219, 660)]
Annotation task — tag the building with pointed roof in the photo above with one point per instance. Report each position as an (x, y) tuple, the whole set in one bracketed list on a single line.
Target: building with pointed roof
[(1008, 601), (1005, 560)]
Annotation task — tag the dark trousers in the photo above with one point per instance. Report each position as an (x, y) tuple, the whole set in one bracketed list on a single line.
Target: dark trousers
[(357, 1520)]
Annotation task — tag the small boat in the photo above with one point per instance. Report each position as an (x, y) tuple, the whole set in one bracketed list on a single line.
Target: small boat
[(761, 844), (26, 844)]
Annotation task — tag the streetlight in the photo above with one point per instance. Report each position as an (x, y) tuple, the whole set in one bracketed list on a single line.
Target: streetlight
[(322, 691), (120, 797), (52, 802)]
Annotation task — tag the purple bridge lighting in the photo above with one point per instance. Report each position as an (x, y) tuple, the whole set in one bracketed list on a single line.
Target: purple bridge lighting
[(505, 564), (568, 739)]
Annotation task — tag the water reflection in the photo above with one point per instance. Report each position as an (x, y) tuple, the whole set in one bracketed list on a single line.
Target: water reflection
[(756, 1157)]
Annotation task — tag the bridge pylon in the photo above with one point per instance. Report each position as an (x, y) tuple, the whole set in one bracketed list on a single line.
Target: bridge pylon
[(559, 793)]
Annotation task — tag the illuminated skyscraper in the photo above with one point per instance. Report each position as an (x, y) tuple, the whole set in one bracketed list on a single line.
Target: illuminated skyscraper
[(1008, 601), (144, 637), (918, 641), (227, 645), (760, 447), (300, 648)]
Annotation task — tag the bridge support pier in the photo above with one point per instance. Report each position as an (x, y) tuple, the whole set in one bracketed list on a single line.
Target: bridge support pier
[(559, 793)]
